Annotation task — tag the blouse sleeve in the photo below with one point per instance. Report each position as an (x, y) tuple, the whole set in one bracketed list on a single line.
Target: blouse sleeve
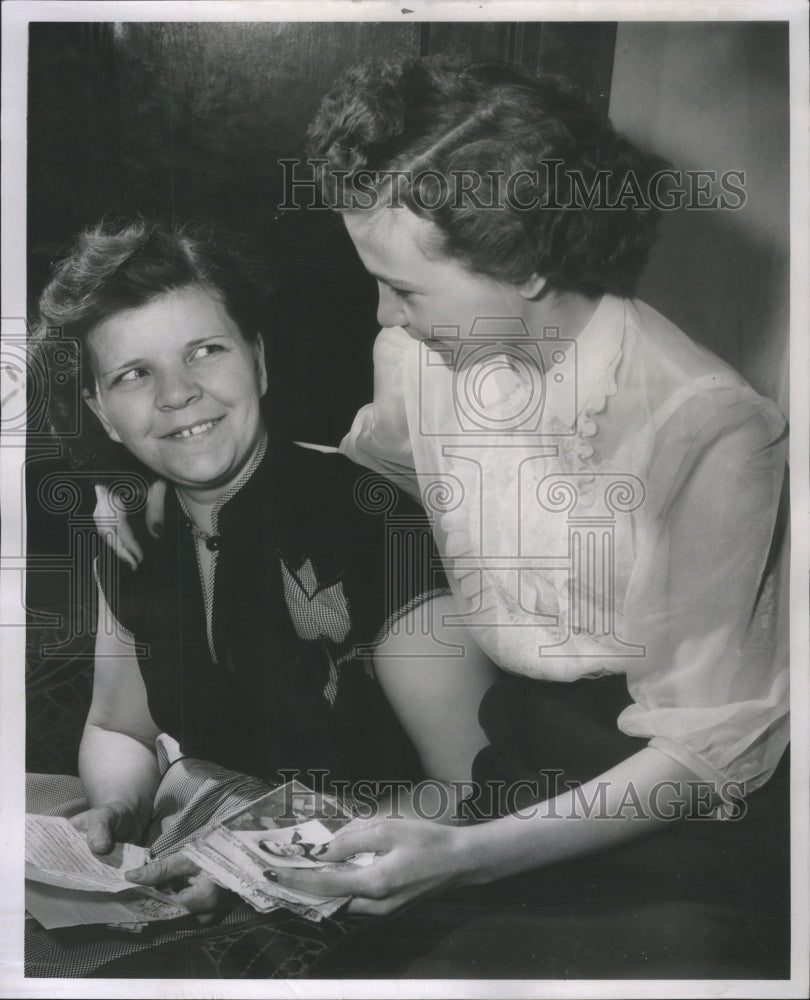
[(711, 690), (379, 438)]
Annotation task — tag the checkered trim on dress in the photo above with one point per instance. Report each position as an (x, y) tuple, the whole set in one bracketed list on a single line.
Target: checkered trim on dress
[(199, 539), (414, 602), (318, 613), (330, 689), (367, 651)]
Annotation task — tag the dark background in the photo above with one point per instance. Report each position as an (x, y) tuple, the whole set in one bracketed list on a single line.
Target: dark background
[(188, 121)]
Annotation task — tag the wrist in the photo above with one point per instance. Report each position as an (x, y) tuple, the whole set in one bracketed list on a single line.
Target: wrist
[(503, 847), (470, 851)]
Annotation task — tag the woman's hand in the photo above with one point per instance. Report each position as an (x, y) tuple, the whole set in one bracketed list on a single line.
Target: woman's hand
[(114, 528), (181, 879), (415, 858), (106, 825)]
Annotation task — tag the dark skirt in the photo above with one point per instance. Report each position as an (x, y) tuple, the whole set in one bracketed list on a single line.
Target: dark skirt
[(702, 899)]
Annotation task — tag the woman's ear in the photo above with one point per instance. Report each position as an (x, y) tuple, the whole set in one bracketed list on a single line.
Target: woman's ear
[(97, 407), (532, 286), (261, 367)]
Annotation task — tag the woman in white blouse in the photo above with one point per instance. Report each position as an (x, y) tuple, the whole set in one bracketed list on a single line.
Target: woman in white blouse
[(604, 491)]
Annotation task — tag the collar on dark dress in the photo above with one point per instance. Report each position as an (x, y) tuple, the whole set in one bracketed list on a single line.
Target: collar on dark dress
[(213, 539)]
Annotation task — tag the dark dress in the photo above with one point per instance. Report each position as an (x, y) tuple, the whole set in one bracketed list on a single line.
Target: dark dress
[(272, 673), (269, 676)]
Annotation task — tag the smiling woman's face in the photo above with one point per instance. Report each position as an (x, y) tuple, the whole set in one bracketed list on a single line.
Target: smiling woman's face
[(179, 386)]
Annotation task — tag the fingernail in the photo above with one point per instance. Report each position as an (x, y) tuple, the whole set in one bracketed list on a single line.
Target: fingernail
[(157, 528), (134, 875), (270, 875)]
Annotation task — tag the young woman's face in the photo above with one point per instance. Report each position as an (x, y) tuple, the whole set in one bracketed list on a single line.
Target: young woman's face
[(420, 290), (179, 386)]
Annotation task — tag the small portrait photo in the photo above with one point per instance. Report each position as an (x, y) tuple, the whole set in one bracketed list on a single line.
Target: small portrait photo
[(294, 847)]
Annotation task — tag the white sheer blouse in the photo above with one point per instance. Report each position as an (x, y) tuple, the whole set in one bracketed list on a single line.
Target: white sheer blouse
[(605, 505)]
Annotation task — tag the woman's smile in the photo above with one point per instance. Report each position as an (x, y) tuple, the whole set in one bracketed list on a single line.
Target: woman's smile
[(194, 431)]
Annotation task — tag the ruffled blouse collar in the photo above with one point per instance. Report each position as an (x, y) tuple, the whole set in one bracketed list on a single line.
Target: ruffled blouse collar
[(599, 351), (596, 354)]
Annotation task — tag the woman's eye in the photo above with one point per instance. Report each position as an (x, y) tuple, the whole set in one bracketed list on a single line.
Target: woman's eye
[(205, 350), (133, 375)]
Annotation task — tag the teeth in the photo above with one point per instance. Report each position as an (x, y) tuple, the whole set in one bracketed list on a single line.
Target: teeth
[(196, 429)]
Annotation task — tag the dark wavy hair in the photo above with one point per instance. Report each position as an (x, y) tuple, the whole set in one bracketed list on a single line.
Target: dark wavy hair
[(443, 115), (124, 264)]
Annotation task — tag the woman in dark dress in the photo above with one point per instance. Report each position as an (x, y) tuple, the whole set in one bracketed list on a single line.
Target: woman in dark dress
[(285, 582)]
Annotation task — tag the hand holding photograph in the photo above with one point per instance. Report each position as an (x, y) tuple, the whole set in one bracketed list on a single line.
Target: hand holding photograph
[(237, 851)]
